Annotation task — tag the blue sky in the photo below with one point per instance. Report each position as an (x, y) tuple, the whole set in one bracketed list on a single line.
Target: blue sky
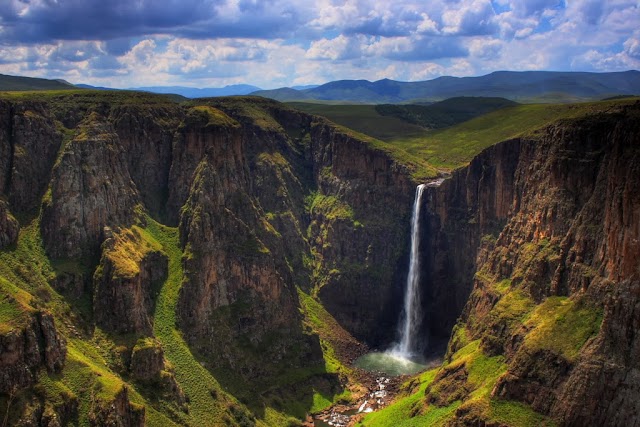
[(274, 43)]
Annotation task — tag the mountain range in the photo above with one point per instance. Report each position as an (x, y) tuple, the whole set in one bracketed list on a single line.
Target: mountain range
[(527, 86)]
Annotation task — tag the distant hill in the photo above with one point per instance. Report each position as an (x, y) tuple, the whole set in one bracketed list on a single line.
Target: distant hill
[(84, 86), (392, 121), (192, 92), (444, 113), (527, 86), (10, 83)]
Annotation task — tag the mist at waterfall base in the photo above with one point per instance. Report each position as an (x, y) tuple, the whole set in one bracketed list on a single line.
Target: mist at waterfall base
[(405, 356)]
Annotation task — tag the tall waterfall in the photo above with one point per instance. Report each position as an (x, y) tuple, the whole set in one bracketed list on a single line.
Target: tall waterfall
[(410, 325)]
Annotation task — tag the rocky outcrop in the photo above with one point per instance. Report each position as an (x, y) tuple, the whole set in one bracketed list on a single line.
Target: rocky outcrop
[(91, 188), (29, 143), (26, 350), (203, 129), (6, 146), (117, 412), (131, 266), (9, 227), (36, 142), (146, 136), (147, 359), (149, 366)]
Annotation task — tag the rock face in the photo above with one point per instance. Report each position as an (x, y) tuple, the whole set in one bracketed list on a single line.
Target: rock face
[(23, 351), (9, 227), (473, 203), (238, 287), (6, 146), (553, 216), (36, 142), (149, 366), (130, 268), (146, 137), (249, 239), (118, 412), (29, 143), (91, 188), (359, 242)]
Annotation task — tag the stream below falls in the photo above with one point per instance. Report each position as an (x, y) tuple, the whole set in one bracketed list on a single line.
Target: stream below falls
[(391, 370)]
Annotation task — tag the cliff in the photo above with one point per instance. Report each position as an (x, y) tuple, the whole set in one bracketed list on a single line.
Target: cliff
[(258, 201), (537, 242)]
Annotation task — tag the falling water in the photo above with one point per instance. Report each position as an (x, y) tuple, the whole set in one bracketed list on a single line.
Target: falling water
[(410, 324)]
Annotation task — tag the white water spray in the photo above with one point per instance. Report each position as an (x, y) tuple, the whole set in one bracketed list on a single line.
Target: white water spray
[(410, 325)]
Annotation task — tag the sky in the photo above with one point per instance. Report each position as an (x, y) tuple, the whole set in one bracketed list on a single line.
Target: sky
[(276, 43)]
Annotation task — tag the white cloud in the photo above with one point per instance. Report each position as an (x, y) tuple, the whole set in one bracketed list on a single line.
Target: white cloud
[(339, 48), (474, 17), (286, 42), (632, 47)]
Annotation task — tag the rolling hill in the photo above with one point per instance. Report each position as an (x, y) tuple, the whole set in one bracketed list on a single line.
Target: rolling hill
[(11, 83)]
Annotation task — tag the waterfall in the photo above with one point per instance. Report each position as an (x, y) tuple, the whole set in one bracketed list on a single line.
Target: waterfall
[(410, 325)]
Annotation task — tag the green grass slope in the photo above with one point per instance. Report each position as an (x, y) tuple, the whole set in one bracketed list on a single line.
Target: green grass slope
[(455, 146), (11, 83), (365, 119), (444, 113)]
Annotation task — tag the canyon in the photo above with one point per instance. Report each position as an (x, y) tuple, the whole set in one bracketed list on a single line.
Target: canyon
[(223, 261)]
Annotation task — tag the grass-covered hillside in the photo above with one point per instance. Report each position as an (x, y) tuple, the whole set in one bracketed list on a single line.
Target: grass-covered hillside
[(13, 83)]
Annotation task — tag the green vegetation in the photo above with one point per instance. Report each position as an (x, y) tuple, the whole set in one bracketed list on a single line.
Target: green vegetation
[(562, 325), (19, 83), (511, 309), (406, 411), (208, 116), (85, 97), (196, 381), (516, 414), (254, 110), (14, 306), (130, 247), (455, 146), (444, 113), (364, 119), (318, 319), (330, 207)]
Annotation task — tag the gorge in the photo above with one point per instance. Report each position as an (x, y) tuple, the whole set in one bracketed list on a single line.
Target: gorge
[(224, 261)]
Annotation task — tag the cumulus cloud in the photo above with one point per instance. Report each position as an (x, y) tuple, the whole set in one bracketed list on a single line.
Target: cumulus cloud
[(339, 48), (632, 47), (418, 48), (470, 19), (41, 20), (218, 42)]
